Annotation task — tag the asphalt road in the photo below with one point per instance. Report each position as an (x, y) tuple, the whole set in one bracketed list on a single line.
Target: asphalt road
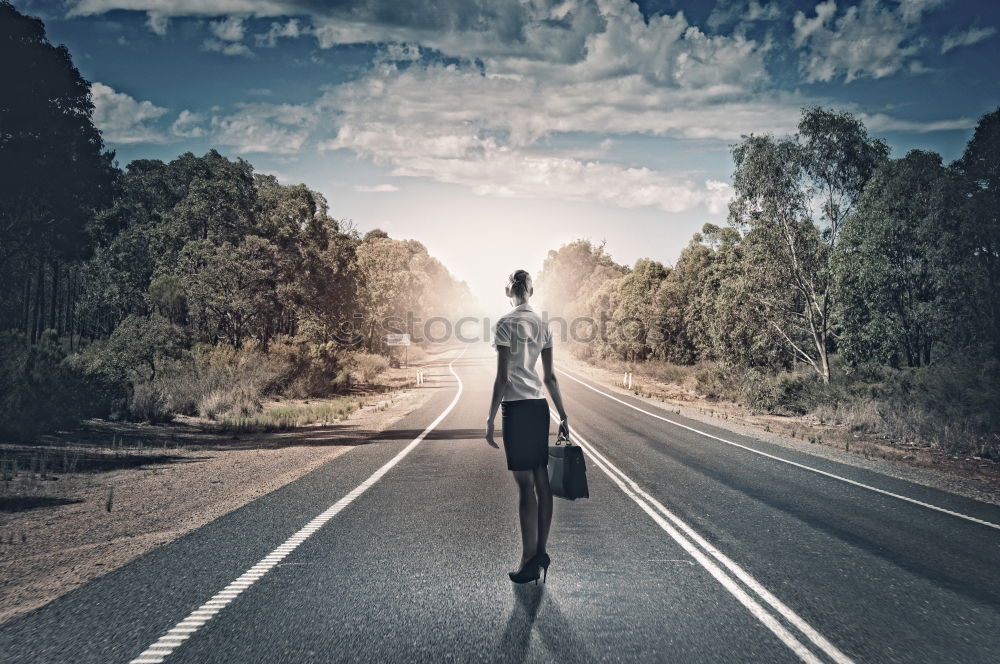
[(690, 549)]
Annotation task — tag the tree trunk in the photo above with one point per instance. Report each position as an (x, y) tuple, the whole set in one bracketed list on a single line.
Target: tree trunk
[(824, 358), (70, 305), (26, 314), (53, 322), (36, 331)]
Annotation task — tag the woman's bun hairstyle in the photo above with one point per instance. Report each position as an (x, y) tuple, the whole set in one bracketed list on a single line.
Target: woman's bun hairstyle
[(520, 283)]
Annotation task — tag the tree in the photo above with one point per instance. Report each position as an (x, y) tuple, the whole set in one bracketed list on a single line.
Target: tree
[(230, 291), (54, 171), (137, 348), (326, 283), (788, 244), (636, 330), (571, 274), (902, 266), (704, 312), (390, 286), (979, 168)]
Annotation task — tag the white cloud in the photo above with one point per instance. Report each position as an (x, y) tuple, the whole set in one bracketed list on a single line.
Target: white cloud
[(188, 125), (623, 75), (523, 71), (757, 11), (227, 37), (880, 122), (743, 13), (289, 30), (226, 48), (526, 108), (457, 27), (376, 189), (870, 39), (273, 128), (157, 22), (124, 120), (960, 38), (490, 168), (663, 77), (397, 53), (230, 29)]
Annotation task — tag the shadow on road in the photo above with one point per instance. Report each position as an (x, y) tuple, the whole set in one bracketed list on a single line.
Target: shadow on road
[(538, 611)]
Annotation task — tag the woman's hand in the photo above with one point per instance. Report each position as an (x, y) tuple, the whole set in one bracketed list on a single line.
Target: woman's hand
[(489, 434), (564, 429)]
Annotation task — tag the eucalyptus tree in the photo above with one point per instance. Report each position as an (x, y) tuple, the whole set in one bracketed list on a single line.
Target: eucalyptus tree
[(905, 266), (636, 332), (391, 283), (231, 291), (792, 197), (571, 274), (979, 168)]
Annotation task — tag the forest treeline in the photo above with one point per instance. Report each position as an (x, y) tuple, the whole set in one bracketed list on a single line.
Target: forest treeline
[(179, 287), (846, 282)]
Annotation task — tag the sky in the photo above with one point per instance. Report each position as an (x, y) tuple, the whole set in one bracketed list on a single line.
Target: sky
[(495, 130)]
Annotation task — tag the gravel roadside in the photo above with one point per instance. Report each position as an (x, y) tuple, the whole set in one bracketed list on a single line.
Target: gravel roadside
[(101, 521)]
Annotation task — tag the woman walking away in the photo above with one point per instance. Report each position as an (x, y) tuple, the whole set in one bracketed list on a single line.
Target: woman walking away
[(520, 337)]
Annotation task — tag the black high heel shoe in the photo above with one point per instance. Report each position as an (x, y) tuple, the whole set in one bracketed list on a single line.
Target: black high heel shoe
[(529, 572), (543, 561)]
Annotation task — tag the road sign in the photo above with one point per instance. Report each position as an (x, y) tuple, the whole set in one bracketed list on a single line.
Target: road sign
[(397, 340)]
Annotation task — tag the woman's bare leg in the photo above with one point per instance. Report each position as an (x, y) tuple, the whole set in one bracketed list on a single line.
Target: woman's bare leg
[(527, 511), (544, 494)]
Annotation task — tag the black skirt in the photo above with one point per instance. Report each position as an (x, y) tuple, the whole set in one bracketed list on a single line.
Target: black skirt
[(525, 433)]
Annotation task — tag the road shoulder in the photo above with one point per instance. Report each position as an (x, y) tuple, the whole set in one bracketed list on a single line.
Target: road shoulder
[(975, 479), (109, 519)]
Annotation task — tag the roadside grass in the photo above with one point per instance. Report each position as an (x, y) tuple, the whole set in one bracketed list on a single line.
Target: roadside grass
[(925, 417), (42, 475), (288, 416), (655, 370)]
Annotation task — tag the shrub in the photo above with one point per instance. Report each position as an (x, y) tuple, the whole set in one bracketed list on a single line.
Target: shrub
[(43, 390), (369, 365), (666, 372), (310, 369), (218, 380), (234, 402), (715, 380), (954, 405), (148, 404), (783, 393), (137, 349)]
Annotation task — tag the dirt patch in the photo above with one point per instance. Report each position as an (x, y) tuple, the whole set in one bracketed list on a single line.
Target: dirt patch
[(100, 497), (971, 477)]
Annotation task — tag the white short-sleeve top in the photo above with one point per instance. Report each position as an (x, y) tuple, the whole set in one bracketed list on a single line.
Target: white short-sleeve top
[(526, 334)]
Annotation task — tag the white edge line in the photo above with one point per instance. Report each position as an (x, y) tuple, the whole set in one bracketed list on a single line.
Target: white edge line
[(989, 524), (647, 503), (174, 637)]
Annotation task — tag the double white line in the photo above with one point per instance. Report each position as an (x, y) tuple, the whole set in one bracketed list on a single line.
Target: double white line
[(764, 606)]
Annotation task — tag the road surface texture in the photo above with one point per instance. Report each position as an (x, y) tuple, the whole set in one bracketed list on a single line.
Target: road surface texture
[(697, 545)]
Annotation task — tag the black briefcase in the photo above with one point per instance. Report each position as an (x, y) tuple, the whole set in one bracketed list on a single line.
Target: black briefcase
[(567, 471)]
